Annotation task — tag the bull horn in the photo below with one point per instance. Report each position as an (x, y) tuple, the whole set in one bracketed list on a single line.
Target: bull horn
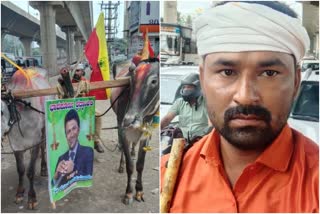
[(145, 51)]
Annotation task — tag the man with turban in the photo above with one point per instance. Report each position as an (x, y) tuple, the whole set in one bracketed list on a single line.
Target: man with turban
[(252, 161)]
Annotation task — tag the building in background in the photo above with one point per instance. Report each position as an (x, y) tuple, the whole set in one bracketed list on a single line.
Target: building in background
[(310, 20), (140, 16), (178, 44)]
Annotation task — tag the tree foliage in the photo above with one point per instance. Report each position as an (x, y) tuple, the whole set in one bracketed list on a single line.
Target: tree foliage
[(184, 19)]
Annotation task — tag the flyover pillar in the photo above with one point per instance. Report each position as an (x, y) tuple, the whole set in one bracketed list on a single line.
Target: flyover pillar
[(2, 39), (78, 47), (70, 30), (48, 34), (4, 32), (26, 42)]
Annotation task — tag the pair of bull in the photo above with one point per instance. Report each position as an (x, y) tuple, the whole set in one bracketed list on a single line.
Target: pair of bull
[(135, 108)]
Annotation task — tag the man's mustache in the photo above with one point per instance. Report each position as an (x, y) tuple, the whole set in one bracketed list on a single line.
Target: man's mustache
[(258, 112)]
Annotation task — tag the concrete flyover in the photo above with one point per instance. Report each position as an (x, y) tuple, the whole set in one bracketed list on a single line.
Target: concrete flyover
[(75, 18), (19, 23)]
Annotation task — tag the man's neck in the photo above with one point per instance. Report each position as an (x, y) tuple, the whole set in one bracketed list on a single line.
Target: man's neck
[(235, 160), (74, 149), (193, 101)]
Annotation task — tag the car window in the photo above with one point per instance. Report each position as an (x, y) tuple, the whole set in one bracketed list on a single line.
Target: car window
[(312, 65), (307, 103), (168, 89)]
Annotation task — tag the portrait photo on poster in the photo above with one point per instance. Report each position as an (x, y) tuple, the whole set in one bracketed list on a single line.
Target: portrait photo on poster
[(70, 128)]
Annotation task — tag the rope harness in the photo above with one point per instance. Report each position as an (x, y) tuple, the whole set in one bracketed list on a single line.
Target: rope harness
[(14, 115)]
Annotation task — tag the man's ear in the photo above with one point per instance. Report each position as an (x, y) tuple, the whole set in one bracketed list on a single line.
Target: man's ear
[(297, 80)]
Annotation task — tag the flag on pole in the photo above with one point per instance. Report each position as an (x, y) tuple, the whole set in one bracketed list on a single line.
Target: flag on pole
[(148, 44), (97, 54)]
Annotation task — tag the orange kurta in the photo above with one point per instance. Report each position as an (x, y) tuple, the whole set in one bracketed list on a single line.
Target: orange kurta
[(284, 178)]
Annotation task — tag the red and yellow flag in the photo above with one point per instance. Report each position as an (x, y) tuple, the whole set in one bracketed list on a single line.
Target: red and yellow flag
[(148, 45), (97, 54)]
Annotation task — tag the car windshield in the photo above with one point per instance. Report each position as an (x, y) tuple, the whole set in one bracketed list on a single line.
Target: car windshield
[(169, 86), (307, 104), (312, 65)]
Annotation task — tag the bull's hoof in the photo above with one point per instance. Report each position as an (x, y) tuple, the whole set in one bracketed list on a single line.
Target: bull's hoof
[(98, 146), (44, 172), (19, 196), (32, 204), (139, 196), (120, 170), (127, 199), (19, 199)]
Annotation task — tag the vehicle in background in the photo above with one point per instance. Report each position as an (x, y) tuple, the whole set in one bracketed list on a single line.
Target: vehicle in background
[(7, 70), (170, 86), (177, 45), (309, 63), (304, 115), (27, 62)]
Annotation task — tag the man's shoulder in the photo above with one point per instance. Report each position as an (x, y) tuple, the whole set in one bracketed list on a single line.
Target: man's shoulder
[(179, 100), (308, 147), (193, 152), (196, 149), (85, 149)]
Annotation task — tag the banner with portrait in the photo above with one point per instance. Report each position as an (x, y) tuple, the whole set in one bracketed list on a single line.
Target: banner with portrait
[(70, 127)]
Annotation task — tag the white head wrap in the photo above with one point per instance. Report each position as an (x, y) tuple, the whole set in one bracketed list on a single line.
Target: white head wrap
[(240, 26), (79, 66)]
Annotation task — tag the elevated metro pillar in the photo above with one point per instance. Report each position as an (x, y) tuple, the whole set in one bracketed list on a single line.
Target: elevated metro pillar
[(4, 32), (26, 42), (70, 30), (48, 34), (78, 47)]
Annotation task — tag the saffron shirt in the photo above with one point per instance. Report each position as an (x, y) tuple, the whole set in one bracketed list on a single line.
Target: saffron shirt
[(284, 178)]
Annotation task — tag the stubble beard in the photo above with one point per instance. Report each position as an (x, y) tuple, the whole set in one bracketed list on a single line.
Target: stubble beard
[(248, 137)]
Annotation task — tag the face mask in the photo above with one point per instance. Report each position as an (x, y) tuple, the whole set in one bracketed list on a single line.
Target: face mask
[(188, 94)]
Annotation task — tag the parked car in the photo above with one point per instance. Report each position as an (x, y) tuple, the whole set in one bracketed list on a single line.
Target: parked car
[(313, 64), (7, 70), (305, 111), (27, 62), (170, 86)]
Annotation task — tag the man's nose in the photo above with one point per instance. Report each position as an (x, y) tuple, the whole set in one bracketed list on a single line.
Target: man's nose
[(72, 133), (247, 92)]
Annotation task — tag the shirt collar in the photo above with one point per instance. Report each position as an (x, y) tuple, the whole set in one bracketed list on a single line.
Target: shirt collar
[(277, 156), (211, 149)]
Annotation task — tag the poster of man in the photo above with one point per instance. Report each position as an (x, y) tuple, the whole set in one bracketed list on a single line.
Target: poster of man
[(69, 129)]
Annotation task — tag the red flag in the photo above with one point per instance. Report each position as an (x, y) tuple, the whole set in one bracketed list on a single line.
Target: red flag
[(97, 54), (145, 37)]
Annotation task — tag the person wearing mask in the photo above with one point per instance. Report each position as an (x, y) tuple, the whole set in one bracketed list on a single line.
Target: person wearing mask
[(191, 109)]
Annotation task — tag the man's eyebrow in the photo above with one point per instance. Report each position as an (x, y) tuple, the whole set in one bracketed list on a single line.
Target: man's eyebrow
[(271, 62), (225, 62)]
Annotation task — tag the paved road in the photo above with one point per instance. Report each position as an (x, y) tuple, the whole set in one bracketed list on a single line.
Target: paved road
[(108, 187)]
